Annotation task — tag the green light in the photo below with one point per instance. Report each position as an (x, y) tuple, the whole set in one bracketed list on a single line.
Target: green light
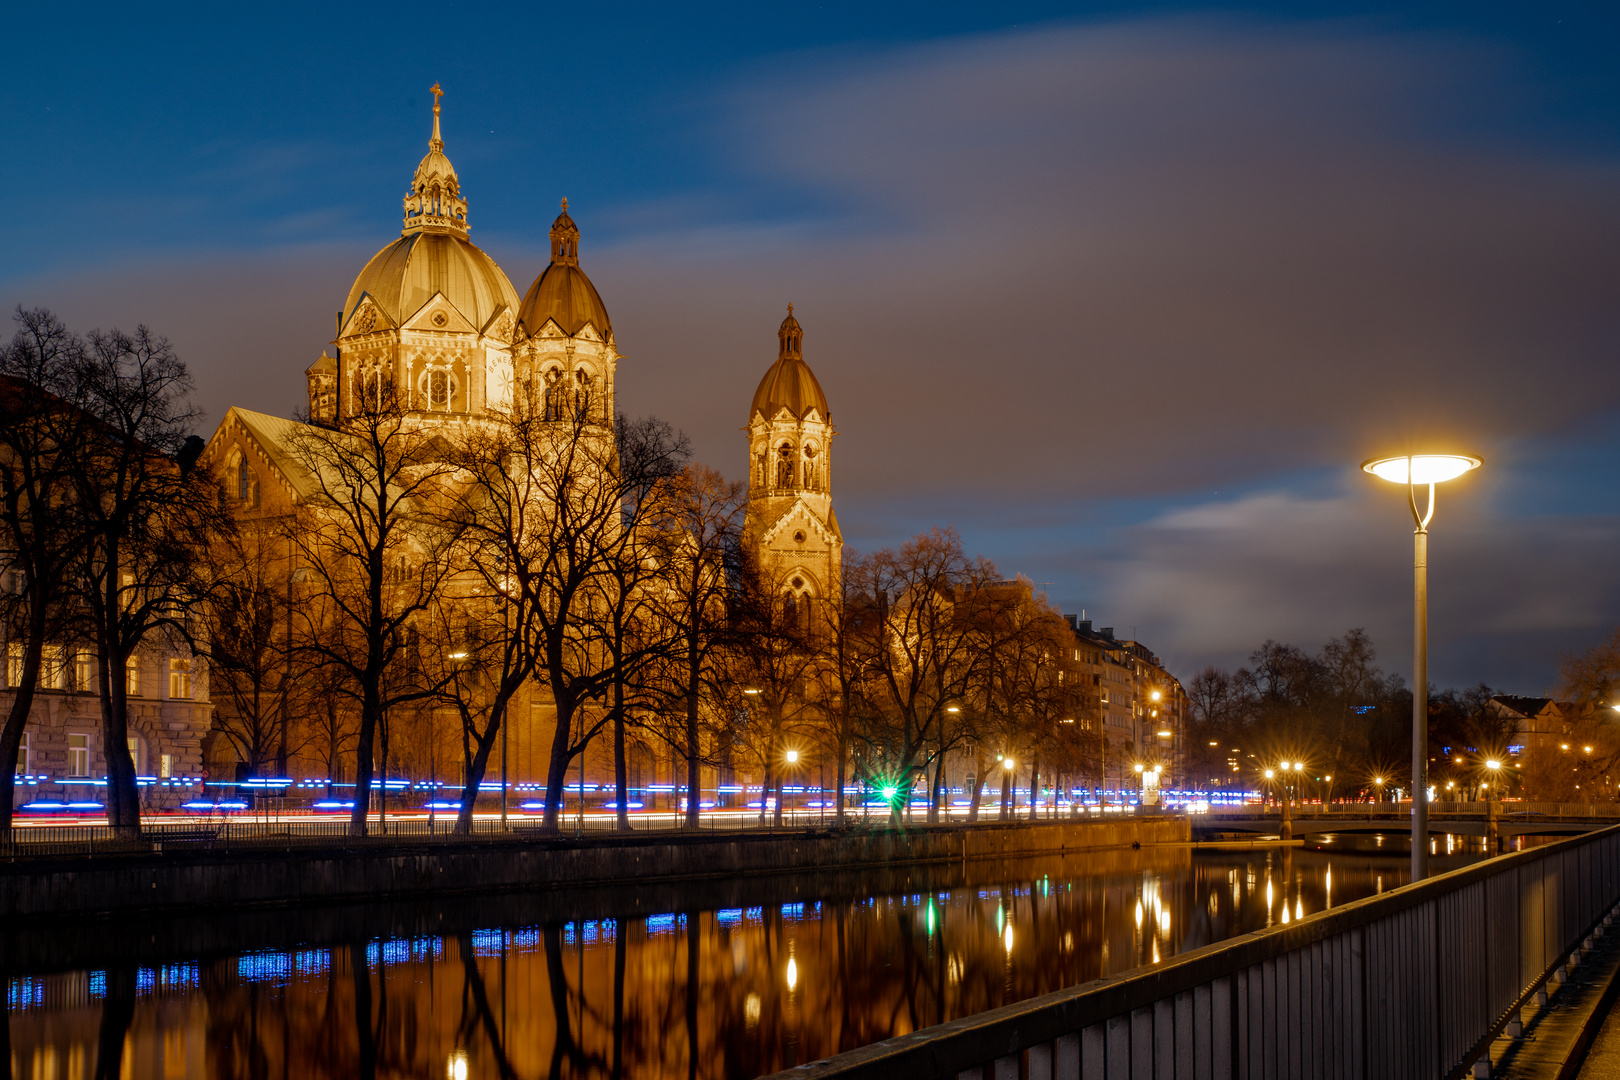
[(1000, 919), (890, 792), (930, 917)]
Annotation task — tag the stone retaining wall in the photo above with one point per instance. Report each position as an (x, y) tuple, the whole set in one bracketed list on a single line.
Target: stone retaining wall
[(126, 883)]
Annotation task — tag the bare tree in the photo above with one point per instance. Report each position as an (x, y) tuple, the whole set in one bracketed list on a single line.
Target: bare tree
[(706, 515), (148, 507), (42, 432), (920, 649), (375, 549)]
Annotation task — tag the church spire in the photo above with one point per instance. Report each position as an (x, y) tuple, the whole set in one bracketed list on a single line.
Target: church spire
[(564, 239), (790, 338), (435, 203)]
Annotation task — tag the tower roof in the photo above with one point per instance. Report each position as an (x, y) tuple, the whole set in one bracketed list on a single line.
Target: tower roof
[(562, 293), (435, 201), (790, 383)]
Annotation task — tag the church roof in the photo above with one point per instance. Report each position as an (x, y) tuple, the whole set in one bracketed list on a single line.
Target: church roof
[(562, 293), (433, 253), (790, 383), (404, 275)]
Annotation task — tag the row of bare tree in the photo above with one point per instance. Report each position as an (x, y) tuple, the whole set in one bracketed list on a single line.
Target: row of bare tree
[(1350, 724), (458, 569)]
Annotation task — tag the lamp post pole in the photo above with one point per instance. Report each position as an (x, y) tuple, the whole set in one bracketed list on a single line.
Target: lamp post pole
[(1420, 689), (1420, 470)]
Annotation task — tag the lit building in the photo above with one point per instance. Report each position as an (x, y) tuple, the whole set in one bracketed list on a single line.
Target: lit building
[(791, 523)]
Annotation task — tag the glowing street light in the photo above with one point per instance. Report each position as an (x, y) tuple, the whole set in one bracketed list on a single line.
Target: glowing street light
[(792, 757), (1413, 470)]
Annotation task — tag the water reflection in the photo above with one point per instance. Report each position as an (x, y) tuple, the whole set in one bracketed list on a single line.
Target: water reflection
[(734, 979)]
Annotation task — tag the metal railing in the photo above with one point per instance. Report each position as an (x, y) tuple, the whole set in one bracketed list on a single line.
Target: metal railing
[(1409, 985)]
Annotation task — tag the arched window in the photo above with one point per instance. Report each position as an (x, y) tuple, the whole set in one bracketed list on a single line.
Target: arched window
[(554, 406), (784, 466), (583, 389), (375, 389), (247, 483)]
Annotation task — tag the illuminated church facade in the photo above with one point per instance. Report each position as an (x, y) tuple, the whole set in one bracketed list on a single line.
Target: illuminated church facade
[(435, 323)]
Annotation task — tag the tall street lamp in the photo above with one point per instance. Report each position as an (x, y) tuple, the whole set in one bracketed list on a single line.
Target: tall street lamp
[(1414, 470)]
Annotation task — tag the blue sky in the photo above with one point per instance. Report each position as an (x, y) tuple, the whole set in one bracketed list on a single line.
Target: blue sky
[(1121, 291)]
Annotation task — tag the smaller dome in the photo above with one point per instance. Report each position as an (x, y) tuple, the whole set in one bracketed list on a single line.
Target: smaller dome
[(562, 293), (790, 383)]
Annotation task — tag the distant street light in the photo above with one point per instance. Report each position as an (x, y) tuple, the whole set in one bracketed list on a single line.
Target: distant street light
[(1412, 470)]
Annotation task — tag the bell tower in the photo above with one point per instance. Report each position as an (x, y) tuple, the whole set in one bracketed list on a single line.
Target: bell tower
[(791, 523)]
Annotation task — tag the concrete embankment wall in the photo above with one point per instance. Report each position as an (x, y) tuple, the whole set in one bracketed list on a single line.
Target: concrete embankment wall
[(126, 883)]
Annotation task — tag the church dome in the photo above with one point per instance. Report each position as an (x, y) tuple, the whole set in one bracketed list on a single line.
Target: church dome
[(562, 293), (433, 253), (404, 275), (790, 383)]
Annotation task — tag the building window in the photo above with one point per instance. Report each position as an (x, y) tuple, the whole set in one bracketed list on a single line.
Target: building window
[(84, 672), (134, 744), (53, 668), (132, 677), (14, 664), (165, 766), (79, 755), (180, 678)]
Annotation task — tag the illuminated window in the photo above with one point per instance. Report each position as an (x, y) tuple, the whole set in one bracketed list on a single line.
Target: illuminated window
[(132, 677), (180, 678), (78, 755), (84, 672), (134, 745)]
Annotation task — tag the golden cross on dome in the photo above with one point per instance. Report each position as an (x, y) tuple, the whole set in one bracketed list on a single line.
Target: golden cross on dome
[(437, 94), (565, 204), (790, 307)]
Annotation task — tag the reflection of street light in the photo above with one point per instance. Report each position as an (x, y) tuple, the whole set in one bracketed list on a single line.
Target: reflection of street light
[(1412, 470)]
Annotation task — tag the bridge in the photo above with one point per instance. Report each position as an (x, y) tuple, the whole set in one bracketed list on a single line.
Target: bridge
[(1492, 819), (1440, 978)]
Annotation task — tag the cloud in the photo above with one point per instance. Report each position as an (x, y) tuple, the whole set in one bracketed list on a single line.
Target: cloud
[(1509, 594), (1101, 271)]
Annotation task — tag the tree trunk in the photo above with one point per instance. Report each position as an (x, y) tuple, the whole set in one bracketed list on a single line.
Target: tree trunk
[(1006, 795), (838, 796), (1035, 789), (621, 784), (935, 814), (17, 719), (694, 775), (978, 784), (765, 790), (477, 767), (123, 796), (364, 762), (778, 814), (557, 768)]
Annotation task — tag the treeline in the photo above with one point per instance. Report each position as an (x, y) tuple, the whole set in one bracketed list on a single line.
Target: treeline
[(432, 575), (1350, 724), (102, 509)]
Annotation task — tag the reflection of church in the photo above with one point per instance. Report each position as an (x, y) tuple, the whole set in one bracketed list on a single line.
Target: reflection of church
[(435, 320)]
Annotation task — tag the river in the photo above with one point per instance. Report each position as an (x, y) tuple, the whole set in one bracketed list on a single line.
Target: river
[(706, 980)]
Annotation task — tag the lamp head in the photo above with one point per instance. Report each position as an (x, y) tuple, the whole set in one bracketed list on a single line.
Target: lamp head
[(1421, 468)]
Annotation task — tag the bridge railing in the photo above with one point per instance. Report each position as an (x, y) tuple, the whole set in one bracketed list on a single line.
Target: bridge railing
[(1413, 983)]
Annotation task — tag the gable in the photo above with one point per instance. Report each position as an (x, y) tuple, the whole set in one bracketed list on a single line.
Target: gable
[(367, 318), (439, 316)]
